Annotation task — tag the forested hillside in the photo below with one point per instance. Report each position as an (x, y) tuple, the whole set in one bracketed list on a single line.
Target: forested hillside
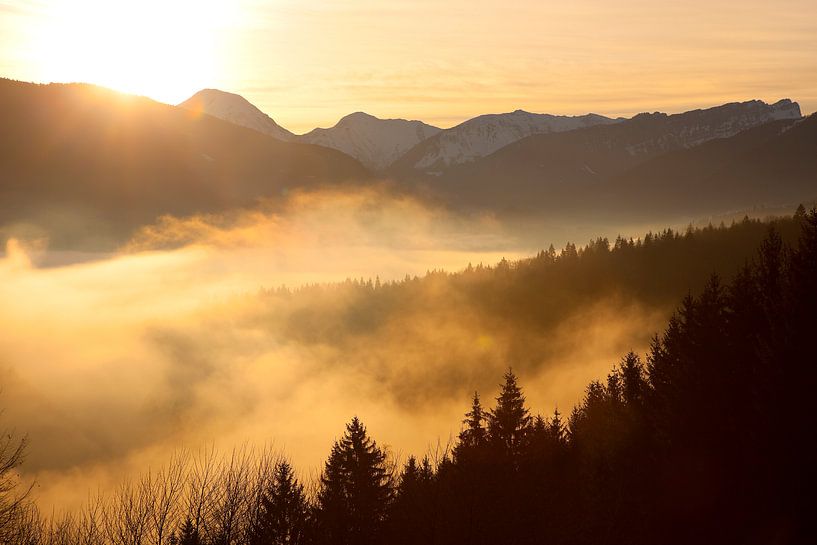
[(467, 326)]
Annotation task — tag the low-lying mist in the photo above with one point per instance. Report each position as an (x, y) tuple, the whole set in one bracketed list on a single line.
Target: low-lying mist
[(184, 338)]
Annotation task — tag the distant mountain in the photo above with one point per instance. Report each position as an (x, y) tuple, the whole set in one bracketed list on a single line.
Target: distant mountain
[(553, 168), (375, 142), (770, 165), (235, 109), (85, 166), (484, 135)]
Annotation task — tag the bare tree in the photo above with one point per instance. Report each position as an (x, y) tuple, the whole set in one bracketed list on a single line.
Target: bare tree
[(165, 490), (202, 482), (13, 496), (90, 522), (127, 516), (231, 501)]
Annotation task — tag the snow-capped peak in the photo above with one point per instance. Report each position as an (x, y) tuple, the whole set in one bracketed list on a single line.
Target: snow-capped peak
[(235, 109), (375, 142)]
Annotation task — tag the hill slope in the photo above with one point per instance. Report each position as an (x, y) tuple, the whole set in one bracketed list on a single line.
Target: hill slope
[(85, 165)]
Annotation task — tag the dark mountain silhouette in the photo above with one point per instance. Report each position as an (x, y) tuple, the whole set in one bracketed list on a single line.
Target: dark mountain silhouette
[(87, 165), (773, 164)]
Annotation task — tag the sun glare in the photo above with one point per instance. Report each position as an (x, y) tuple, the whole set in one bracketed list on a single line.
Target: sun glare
[(157, 48)]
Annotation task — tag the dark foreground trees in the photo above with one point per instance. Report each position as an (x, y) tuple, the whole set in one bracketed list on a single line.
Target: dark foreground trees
[(709, 439)]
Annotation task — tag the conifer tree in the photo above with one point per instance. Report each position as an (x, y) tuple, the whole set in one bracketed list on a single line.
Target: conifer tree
[(284, 510), (510, 422), (355, 489), (634, 383), (474, 433), (188, 535), (800, 213), (410, 477), (556, 428)]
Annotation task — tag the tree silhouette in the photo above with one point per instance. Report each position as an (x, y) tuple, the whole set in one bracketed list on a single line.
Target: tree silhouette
[(355, 490), (473, 435), (284, 510), (188, 535), (510, 422)]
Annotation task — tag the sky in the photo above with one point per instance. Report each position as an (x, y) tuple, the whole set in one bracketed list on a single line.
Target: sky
[(308, 63)]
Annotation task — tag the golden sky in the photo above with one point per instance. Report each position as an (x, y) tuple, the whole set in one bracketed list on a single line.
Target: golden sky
[(308, 63)]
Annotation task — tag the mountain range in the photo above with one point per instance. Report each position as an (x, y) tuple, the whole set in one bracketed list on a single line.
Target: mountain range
[(485, 134), (560, 169), (86, 166), (375, 142), (522, 160), (380, 143)]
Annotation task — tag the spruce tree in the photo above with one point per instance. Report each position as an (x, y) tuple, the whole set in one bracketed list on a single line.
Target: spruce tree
[(188, 535), (510, 422), (284, 510), (634, 383), (355, 489), (556, 427), (474, 434)]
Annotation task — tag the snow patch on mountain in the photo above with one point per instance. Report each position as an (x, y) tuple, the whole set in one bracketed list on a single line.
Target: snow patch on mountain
[(486, 134), (375, 142), (693, 128)]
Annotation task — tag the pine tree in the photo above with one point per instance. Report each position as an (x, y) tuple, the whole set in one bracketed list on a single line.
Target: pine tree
[(284, 510), (188, 535), (426, 471), (406, 506), (556, 428), (410, 477), (510, 422), (800, 213), (355, 489), (474, 433), (634, 383)]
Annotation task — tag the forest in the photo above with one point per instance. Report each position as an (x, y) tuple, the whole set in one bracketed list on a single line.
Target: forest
[(708, 437), (414, 336)]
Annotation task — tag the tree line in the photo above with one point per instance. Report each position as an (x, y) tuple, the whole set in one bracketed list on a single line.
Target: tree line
[(708, 438)]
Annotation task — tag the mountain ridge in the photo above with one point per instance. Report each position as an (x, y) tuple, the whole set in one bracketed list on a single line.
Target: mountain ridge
[(482, 135), (550, 167), (375, 142)]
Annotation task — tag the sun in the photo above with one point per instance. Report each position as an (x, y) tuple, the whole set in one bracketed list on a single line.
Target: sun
[(164, 49)]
